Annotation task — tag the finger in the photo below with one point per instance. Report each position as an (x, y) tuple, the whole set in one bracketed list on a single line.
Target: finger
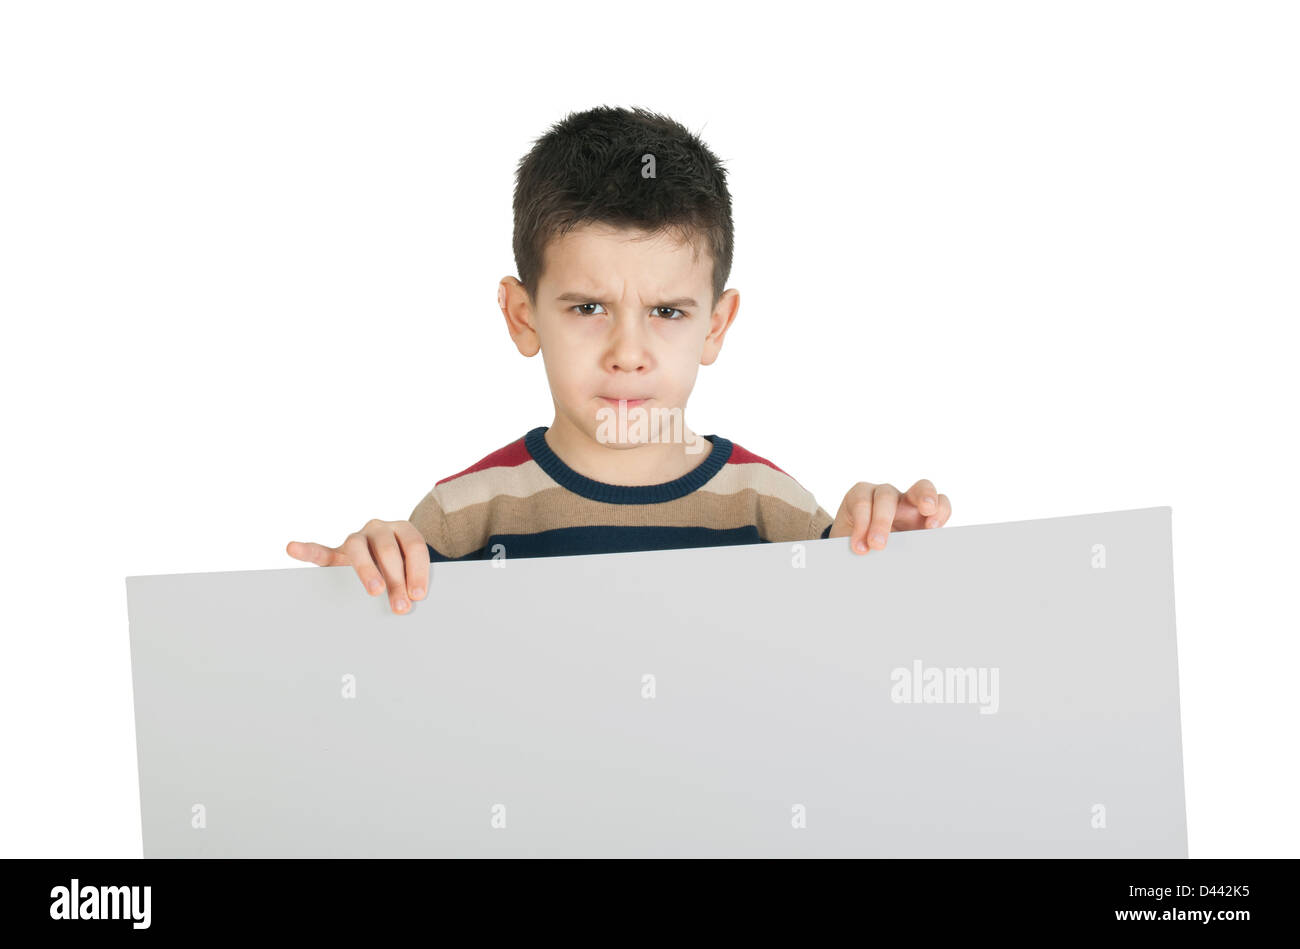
[(358, 550), (945, 512), (389, 557), (318, 554), (924, 496), (416, 553), (884, 505), (860, 514)]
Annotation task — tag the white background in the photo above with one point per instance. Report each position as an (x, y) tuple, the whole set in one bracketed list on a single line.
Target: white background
[(1044, 254)]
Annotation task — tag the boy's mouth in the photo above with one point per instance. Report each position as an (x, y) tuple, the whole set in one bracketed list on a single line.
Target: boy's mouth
[(630, 402)]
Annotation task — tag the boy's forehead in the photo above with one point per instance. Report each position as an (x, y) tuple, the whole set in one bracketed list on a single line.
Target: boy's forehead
[(601, 256)]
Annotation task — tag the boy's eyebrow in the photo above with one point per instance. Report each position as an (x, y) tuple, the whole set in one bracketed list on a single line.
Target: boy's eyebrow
[(573, 297)]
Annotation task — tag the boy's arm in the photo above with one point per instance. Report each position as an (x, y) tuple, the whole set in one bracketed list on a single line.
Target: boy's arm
[(430, 520), (819, 527)]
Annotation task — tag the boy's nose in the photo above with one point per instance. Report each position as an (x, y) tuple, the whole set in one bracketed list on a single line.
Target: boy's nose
[(627, 345)]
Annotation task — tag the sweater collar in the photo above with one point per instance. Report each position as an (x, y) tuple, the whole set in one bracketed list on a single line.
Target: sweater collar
[(594, 490)]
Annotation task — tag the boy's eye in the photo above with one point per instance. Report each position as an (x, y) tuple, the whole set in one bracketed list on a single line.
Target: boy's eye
[(668, 315), (581, 308)]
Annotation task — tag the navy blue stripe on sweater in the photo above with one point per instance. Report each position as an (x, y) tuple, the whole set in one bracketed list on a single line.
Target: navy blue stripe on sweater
[(594, 539)]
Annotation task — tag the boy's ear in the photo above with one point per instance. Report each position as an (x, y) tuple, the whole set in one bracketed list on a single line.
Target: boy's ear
[(518, 311), (724, 312)]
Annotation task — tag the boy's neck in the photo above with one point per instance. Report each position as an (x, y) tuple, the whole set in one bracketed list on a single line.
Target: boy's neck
[(644, 464)]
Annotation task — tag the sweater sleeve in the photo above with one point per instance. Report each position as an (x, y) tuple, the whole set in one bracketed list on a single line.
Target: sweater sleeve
[(430, 520), (819, 527)]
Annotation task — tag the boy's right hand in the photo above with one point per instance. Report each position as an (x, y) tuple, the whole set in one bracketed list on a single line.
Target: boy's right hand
[(386, 554)]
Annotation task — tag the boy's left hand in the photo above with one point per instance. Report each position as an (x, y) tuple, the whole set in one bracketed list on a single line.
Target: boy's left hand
[(871, 511)]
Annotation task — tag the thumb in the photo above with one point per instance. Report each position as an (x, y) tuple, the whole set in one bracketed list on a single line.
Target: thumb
[(318, 554)]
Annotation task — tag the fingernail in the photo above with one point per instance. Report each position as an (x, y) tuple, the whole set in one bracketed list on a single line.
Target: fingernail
[(932, 522), (401, 606), (417, 593), (860, 547), (375, 586), (878, 539), (932, 502)]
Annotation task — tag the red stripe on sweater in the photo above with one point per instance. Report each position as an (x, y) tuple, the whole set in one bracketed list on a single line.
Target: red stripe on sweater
[(741, 457), (516, 453)]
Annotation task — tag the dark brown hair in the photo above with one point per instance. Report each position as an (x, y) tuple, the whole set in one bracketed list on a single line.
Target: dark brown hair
[(588, 168)]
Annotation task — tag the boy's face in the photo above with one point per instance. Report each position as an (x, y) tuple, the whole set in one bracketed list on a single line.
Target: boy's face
[(619, 314)]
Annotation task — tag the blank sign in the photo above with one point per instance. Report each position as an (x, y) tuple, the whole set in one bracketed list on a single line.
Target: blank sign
[(993, 690)]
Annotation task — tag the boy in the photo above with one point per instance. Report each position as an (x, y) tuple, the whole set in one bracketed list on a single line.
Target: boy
[(623, 241)]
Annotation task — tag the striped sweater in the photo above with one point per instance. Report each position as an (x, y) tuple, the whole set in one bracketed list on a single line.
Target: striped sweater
[(523, 501)]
